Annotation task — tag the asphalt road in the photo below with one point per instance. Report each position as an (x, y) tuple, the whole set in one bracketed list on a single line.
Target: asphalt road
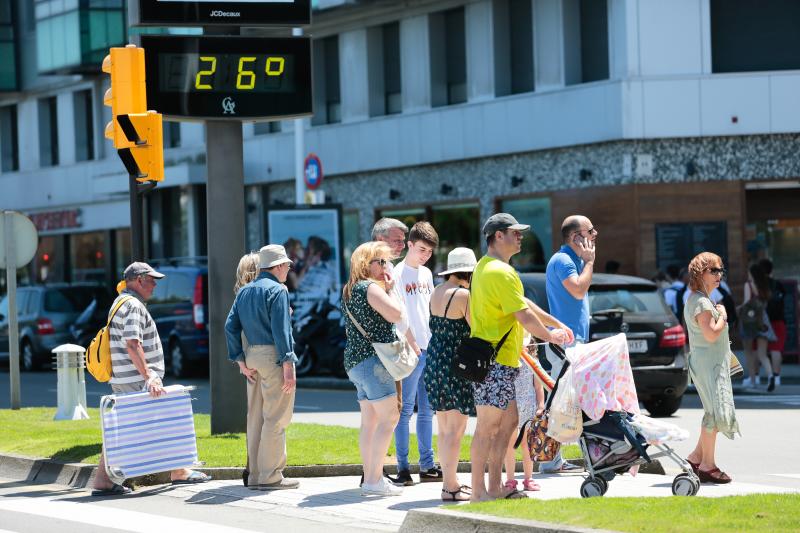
[(765, 453)]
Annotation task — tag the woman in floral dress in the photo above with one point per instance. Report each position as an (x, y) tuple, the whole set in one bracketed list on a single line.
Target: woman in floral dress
[(449, 395)]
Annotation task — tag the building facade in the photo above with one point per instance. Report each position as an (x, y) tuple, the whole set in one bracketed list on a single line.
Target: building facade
[(672, 125)]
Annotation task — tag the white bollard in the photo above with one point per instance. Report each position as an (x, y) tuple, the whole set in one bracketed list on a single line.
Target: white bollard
[(70, 363)]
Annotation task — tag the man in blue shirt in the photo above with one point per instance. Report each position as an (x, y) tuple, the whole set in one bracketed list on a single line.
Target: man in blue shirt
[(569, 275), (261, 312)]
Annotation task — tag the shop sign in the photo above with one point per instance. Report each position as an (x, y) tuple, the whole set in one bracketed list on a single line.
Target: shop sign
[(57, 220)]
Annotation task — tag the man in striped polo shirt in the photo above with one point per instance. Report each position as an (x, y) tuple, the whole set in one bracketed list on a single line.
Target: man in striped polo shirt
[(137, 360)]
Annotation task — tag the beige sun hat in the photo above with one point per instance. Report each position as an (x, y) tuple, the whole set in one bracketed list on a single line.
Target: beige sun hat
[(460, 260), (272, 255)]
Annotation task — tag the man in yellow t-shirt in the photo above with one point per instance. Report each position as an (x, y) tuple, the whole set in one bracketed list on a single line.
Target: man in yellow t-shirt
[(497, 305)]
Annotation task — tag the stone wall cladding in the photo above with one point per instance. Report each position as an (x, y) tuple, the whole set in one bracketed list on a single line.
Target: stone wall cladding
[(750, 158)]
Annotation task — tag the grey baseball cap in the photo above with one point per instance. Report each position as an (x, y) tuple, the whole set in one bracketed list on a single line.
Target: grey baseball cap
[(140, 269), (502, 222)]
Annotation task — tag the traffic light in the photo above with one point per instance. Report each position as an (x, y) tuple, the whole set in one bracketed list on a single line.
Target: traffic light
[(145, 157), (128, 92)]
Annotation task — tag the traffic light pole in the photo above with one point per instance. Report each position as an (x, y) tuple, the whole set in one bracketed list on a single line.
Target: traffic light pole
[(137, 190)]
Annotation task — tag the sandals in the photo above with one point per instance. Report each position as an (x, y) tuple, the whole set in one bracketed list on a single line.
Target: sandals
[(530, 485), (114, 490), (194, 477), (695, 466), (460, 495), (715, 475)]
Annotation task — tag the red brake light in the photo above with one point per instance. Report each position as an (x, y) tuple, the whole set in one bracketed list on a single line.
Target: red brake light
[(44, 326), (673, 337), (198, 313)]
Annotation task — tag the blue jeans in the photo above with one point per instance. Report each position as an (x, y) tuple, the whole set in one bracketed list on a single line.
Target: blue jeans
[(414, 392)]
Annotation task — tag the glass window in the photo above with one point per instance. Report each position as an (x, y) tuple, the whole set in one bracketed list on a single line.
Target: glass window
[(352, 237), (521, 34), (594, 40), (122, 252), (49, 262), (84, 125), (332, 88), (68, 299), (87, 256), (262, 128), (629, 301), (537, 244), (9, 141), (457, 225), (754, 35), (48, 132), (22, 300), (172, 134), (180, 287), (8, 47), (456, 56), (391, 68)]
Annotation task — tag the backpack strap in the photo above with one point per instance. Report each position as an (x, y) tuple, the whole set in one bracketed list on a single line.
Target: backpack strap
[(355, 322), (116, 308)]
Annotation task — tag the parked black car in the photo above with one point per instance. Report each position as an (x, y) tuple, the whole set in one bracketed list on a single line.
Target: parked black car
[(656, 341), (45, 313), (179, 306)]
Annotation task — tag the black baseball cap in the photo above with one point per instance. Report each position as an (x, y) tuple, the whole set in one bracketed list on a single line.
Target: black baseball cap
[(502, 222)]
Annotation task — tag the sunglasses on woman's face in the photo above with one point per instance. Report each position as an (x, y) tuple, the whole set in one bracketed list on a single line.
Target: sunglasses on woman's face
[(717, 271), (381, 261)]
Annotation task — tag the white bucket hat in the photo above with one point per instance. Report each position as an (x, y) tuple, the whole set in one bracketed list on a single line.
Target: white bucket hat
[(460, 260), (272, 255)]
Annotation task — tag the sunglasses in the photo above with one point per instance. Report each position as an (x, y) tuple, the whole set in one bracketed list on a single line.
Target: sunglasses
[(381, 261), (717, 271)]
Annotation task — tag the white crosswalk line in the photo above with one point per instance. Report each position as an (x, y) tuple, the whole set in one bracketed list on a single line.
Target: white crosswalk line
[(111, 517)]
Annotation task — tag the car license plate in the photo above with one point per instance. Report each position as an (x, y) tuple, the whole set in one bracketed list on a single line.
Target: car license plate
[(637, 346)]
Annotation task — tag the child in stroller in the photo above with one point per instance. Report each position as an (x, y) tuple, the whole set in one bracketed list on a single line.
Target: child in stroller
[(620, 441)]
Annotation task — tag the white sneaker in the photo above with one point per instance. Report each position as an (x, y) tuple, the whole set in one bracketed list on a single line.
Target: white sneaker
[(758, 381), (777, 380), (381, 488), (747, 383)]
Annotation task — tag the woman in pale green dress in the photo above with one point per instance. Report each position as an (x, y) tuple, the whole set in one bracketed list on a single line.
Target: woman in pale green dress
[(709, 364)]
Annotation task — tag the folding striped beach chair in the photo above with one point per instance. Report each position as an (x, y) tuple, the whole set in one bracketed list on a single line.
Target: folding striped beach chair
[(144, 435)]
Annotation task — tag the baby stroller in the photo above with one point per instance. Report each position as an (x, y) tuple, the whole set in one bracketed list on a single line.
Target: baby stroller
[(620, 441)]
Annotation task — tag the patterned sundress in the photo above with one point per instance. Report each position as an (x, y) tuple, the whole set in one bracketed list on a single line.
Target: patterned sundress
[(445, 390)]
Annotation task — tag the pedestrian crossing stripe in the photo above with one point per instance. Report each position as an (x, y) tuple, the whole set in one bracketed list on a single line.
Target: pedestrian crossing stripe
[(110, 517), (789, 399)]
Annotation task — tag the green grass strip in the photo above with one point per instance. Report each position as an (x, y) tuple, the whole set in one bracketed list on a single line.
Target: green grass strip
[(767, 513), (33, 432)]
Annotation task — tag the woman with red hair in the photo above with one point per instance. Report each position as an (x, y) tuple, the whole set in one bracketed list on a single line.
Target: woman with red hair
[(709, 364)]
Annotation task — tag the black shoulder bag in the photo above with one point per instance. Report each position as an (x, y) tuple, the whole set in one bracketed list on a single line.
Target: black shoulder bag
[(474, 355)]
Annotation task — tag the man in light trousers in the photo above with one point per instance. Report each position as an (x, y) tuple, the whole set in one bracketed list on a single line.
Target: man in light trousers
[(261, 312)]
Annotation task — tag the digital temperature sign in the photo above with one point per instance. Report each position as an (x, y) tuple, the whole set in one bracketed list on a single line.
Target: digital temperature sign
[(207, 77)]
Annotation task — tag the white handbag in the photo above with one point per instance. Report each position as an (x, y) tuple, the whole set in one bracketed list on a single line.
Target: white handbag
[(565, 421), (397, 357)]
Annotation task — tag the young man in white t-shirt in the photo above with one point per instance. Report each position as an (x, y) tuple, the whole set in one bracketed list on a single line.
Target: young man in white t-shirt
[(415, 283)]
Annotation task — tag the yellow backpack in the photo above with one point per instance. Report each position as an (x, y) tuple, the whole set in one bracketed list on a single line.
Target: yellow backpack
[(98, 356)]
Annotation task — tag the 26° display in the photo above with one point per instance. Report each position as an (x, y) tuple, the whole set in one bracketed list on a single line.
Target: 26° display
[(230, 77), (227, 73)]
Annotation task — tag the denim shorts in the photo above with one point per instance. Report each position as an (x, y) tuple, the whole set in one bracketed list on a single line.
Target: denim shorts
[(373, 382), (498, 389)]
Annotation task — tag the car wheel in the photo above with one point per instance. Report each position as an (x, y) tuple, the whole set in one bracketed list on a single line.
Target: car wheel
[(305, 362), (28, 357), (663, 407), (177, 362)]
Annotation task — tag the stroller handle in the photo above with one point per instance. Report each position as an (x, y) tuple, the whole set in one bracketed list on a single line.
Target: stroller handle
[(558, 350)]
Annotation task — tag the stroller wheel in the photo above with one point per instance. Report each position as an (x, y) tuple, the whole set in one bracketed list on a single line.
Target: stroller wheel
[(593, 487), (685, 485)]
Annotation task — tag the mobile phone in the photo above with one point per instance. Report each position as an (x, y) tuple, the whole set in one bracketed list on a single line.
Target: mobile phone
[(579, 239)]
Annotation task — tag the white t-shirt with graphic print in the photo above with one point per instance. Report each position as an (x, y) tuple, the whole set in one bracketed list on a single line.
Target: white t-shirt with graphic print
[(416, 287)]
